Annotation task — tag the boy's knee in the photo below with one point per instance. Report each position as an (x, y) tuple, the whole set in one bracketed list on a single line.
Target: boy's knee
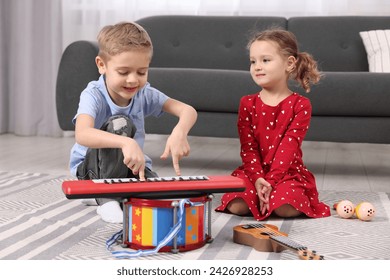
[(120, 125)]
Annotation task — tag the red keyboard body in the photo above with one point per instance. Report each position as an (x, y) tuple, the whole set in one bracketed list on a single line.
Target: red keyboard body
[(160, 187)]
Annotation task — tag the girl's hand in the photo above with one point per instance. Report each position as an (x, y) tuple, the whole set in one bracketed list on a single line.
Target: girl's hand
[(134, 158), (263, 189)]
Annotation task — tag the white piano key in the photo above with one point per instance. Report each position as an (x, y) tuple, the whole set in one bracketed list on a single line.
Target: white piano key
[(154, 179)]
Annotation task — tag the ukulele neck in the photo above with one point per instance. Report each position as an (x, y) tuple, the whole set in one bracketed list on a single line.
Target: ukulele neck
[(286, 242)]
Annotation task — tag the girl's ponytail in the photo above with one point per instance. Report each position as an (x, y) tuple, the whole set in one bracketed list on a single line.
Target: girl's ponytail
[(306, 71)]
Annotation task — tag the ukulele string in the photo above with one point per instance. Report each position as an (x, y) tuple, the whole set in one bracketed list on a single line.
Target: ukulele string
[(279, 237), (267, 230)]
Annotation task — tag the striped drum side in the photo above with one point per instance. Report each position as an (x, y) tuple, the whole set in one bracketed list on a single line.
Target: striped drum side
[(149, 220)]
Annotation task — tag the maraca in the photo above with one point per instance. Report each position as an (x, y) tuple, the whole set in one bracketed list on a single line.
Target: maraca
[(344, 209), (365, 211)]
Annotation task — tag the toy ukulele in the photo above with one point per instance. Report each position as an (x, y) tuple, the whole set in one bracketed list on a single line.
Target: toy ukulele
[(267, 238)]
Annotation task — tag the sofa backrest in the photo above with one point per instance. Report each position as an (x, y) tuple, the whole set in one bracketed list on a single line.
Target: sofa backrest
[(77, 68), (335, 41), (208, 42)]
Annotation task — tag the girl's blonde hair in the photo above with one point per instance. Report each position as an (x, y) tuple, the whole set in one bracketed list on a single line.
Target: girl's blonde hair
[(121, 37), (306, 71)]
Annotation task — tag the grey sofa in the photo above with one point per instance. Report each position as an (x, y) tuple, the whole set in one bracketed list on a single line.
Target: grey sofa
[(203, 61)]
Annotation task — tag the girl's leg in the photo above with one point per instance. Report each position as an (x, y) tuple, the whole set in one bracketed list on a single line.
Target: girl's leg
[(238, 207), (287, 211)]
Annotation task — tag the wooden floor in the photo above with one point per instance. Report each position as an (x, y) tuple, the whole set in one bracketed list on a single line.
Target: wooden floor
[(336, 166)]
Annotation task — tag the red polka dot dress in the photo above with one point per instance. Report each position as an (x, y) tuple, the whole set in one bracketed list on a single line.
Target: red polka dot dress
[(271, 138)]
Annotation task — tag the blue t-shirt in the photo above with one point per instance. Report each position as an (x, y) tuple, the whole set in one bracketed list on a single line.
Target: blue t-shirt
[(96, 102)]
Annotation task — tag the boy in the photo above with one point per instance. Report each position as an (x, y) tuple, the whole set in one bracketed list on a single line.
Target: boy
[(109, 124)]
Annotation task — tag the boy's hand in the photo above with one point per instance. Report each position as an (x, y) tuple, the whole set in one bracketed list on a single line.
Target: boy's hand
[(134, 158), (177, 145)]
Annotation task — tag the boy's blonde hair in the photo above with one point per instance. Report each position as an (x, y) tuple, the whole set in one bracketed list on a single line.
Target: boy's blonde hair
[(306, 71), (121, 37)]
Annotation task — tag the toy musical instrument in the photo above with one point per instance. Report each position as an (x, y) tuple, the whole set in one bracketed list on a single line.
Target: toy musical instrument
[(148, 221), (267, 238), (345, 209), (365, 211), (159, 187), (161, 213)]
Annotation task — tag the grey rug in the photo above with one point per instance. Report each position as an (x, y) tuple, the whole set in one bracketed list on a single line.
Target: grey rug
[(38, 222)]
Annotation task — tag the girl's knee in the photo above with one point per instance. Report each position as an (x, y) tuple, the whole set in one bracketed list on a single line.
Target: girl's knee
[(287, 211), (238, 207)]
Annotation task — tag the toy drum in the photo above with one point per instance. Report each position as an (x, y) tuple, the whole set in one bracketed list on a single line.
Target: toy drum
[(148, 221)]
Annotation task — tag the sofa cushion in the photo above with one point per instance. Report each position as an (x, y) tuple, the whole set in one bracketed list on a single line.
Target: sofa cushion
[(209, 42), (377, 45), (351, 94), (210, 124), (335, 41)]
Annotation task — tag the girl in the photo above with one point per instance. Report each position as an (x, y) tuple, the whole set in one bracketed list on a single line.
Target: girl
[(272, 125)]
